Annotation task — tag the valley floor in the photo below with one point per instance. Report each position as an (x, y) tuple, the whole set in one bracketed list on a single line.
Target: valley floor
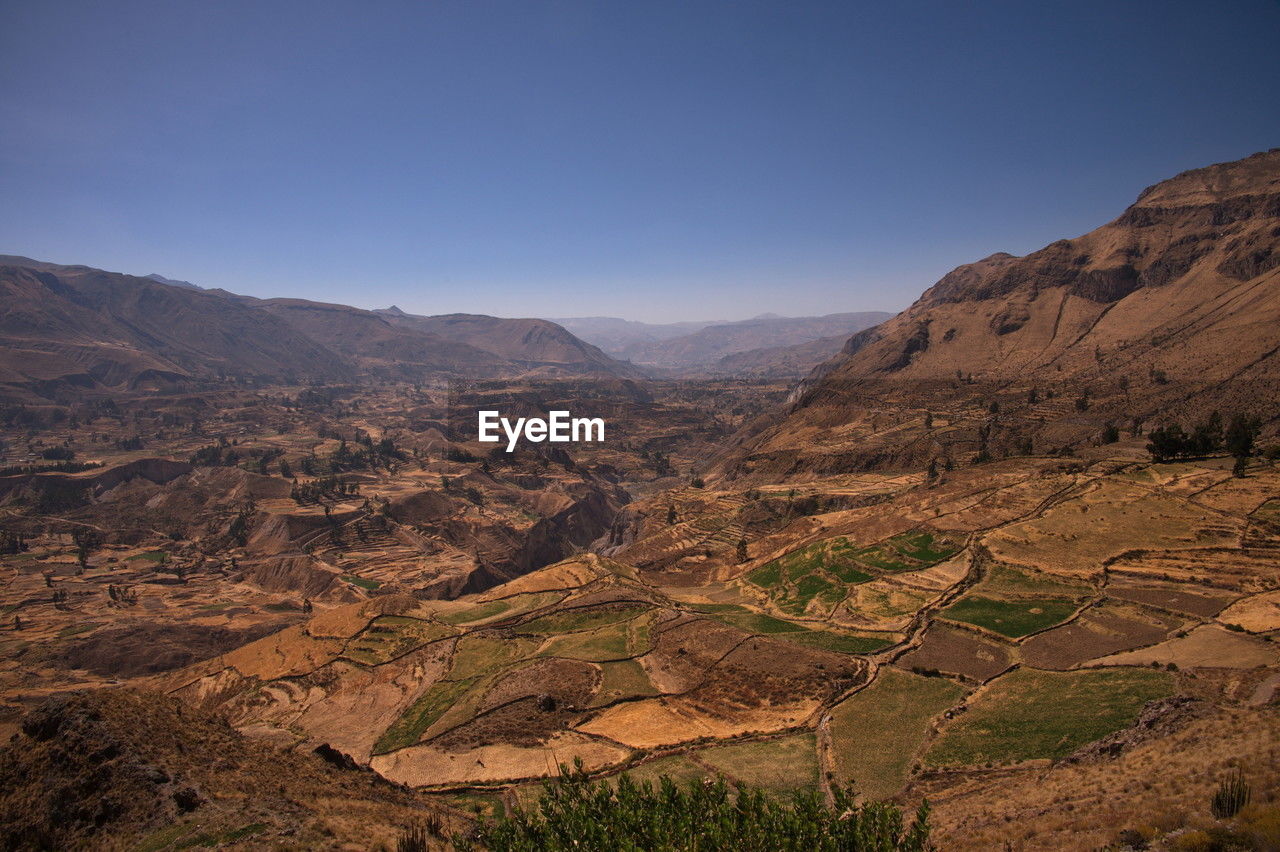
[(1053, 651)]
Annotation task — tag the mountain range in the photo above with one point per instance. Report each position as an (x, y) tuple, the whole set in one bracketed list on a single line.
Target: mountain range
[(708, 346), (76, 327)]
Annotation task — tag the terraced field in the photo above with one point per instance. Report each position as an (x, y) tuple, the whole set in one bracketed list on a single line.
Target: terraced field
[(1031, 715), (878, 646), (877, 734), (815, 579)]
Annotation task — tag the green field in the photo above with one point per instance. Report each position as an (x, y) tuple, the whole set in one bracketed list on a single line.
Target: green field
[(909, 551), (823, 570), (877, 732), (1030, 714), (802, 634), (781, 765), (1012, 617), (391, 636), (159, 557), (843, 643), (677, 767), (568, 621), (420, 715), (362, 582), (622, 679), (604, 643), (1003, 581), (767, 576), (925, 546), (476, 655), (500, 609)]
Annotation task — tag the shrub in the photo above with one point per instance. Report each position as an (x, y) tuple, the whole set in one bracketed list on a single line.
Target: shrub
[(1232, 795), (578, 813), (417, 838)]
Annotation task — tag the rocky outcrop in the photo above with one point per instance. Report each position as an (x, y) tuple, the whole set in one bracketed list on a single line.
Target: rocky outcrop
[(1167, 312)]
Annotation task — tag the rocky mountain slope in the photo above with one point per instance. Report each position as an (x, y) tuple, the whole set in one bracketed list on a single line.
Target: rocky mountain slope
[(69, 329), (532, 343), (1165, 313), (79, 327), (128, 770)]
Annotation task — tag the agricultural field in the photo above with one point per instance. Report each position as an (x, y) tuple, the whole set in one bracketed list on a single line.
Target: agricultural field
[(1014, 602), (877, 733), (957, 651), (1101, 629), (779, 765), (866, 658), (1037, 715), (1209, 645), (1077, 537), (1011, 617), (869, 642), (815, 579)]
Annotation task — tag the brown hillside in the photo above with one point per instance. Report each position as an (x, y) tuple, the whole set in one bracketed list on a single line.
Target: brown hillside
[(115, 769), (1167, 312), (531, 343), (83, 327), (377, 345)]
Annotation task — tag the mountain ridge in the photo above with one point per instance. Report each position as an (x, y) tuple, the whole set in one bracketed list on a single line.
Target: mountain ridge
[(1163, 314), (75, 328)]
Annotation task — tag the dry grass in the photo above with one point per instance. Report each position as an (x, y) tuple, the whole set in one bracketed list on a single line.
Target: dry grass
[(1161, 784)]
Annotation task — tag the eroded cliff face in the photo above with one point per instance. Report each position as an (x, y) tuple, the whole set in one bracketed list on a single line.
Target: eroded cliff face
[(1168, 311)]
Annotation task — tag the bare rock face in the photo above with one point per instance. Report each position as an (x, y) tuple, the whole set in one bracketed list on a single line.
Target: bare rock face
[(1169, 311)]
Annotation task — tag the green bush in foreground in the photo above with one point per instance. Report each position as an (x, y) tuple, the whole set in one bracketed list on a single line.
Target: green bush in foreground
[(580, 814)]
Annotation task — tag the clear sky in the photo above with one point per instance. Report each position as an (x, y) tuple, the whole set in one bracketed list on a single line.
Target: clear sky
[(650, 160)]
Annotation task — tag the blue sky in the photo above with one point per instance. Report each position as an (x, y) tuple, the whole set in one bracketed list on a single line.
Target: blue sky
[(651, 160)]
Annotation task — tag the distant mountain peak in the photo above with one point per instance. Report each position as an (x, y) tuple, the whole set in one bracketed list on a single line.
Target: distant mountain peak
[(172, 282), (394, 309), (767, 316)]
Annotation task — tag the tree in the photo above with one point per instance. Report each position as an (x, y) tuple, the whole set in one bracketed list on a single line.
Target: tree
[(1240, 437), (1166, 442), (742, 550), (1206, 437), (671, 515)]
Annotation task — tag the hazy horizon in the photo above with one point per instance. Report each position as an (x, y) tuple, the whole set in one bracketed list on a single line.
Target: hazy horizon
[(569, 159)]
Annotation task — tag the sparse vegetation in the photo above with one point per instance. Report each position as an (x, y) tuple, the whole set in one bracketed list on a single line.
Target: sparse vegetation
[(1232, 795), (578, 813)]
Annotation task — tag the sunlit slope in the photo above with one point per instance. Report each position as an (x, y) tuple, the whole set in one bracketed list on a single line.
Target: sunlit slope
[(956, 599)]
